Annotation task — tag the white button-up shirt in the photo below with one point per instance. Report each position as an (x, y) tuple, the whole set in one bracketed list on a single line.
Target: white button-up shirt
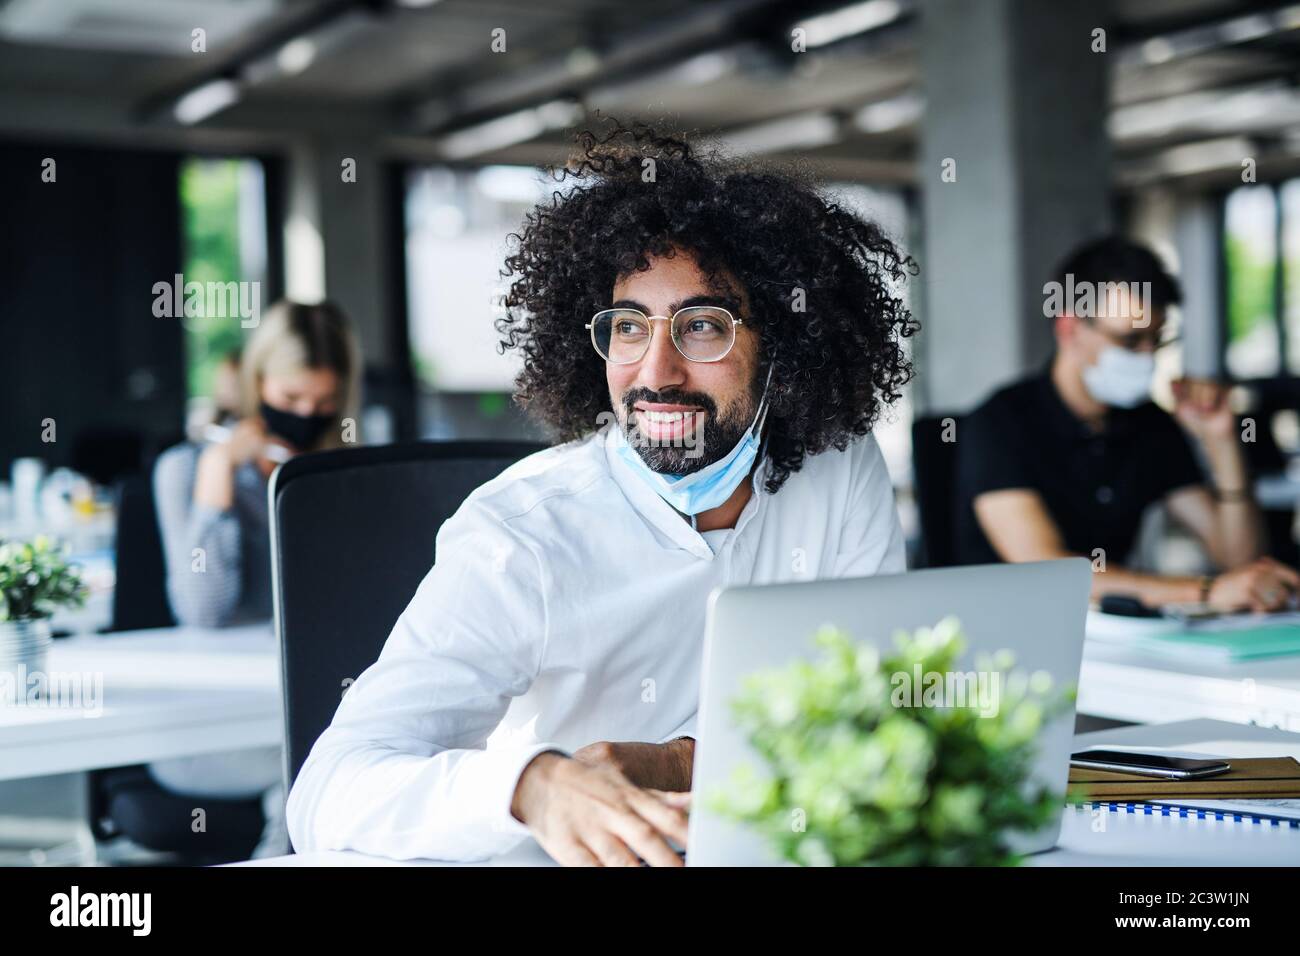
[(566, 606)]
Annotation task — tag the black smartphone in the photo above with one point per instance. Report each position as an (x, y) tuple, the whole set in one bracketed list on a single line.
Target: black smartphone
[(1151, 765), (1127, 606)]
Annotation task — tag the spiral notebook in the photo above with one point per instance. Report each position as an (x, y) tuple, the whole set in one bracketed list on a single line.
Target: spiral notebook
[(1260, 812)]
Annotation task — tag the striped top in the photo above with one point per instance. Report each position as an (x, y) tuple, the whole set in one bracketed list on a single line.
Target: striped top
[(218, 562)]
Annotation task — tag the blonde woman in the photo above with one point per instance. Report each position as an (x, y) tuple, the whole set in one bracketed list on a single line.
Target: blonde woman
[(298, 378), (298, 383)]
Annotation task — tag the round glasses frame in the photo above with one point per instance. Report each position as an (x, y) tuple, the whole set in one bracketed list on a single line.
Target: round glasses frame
[(1133, 341), (672, 326)]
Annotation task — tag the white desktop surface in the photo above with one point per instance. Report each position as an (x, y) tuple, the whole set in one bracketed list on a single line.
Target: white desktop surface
[(167, 692), (1115, 839), (1129, 685), (1135, 839)]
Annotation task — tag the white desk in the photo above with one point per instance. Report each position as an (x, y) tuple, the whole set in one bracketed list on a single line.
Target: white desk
[(167, 692), (1128, 685), (1137, 840), (1123, 840)]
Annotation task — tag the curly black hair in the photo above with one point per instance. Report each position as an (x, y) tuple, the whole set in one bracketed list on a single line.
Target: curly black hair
[(636, 193)]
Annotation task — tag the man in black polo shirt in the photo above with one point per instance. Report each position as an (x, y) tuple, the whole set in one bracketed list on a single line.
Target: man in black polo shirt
[(1066, 461)]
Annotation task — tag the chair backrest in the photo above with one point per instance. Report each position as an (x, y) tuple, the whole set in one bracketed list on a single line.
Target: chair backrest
[(140, 591), (934, 467), (352, 536)]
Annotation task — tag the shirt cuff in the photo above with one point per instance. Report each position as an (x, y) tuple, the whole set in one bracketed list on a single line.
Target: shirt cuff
[(687, 729), (510, 768)]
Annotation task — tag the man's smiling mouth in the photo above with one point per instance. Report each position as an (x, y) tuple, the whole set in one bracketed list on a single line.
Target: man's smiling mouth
[(664, 422)]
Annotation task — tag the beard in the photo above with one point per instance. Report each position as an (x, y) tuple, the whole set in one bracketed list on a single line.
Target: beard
[(699, 449)]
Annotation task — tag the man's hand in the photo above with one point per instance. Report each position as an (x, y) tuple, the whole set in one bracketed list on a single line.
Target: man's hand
[(594, 816), (655, 766), (1262, 585), (1202, 408)]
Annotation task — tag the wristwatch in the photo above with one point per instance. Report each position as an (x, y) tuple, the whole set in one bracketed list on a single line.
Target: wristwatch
[(1207, 582), (1232, 494)]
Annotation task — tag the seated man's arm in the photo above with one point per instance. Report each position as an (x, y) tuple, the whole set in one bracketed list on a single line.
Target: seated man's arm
[(1228, 523), (1231, 531), (401, 771), (662, 766), (1020, 528)]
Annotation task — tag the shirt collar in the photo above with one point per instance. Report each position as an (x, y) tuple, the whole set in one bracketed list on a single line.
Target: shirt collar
[(660, 513), (1119, 421)]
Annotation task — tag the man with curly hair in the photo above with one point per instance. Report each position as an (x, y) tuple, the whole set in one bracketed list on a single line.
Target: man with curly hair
[(711, 343)]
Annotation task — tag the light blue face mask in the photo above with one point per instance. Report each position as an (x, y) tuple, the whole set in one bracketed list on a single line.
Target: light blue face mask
[(712, 485)]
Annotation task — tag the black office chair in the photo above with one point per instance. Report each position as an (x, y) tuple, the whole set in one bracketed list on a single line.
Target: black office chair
[(352, 536), (126, 801), (934, 468), (108, 453)]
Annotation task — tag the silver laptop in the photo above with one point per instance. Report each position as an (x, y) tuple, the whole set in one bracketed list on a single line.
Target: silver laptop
[(1037, 611)]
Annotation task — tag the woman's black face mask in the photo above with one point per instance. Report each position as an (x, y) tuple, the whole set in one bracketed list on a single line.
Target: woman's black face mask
[(300, 431)]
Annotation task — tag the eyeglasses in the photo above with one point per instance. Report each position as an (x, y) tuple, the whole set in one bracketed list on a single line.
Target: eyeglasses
[(1134, 341), (702, 333)]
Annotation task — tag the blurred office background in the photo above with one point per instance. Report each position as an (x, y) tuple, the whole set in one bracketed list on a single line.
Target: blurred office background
[(379, 153)]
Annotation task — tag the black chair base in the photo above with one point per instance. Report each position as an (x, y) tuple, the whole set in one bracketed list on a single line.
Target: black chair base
[(128, 802)]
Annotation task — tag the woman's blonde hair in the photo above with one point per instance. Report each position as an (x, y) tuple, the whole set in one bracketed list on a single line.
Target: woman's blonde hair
[(293, 336)]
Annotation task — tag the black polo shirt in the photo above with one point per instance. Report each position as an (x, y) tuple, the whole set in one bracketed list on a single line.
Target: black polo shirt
[(1095, 484)]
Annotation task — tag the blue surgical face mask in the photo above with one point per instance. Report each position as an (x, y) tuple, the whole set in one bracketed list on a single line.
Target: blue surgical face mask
[(713, 484), (1120, 378)]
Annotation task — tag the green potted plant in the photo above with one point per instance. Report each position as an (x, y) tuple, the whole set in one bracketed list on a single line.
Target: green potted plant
[(35, 580), (865, 767)]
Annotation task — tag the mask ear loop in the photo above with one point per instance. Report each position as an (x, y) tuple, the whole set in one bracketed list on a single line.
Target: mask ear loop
[(762, 415), (761, 421)]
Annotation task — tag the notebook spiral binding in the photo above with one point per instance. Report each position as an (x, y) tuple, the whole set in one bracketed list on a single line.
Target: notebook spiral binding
[(1161, 810)]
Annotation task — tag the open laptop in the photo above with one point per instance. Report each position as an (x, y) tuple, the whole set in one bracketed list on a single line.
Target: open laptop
[(1036, 611)]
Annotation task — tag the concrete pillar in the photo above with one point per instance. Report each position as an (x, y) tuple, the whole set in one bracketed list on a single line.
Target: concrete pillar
[(1196, 232), (304, 249), (358, 260), (339, 245), (1015, 110), (337, 238)]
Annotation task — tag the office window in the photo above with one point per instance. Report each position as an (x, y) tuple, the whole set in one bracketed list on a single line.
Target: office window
[(457, 222), (1289, 263), (456, 226), (889, 209), (223, 211), (1250, 270)]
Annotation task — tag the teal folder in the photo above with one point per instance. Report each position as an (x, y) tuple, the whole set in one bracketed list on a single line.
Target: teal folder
[(1246, 644)]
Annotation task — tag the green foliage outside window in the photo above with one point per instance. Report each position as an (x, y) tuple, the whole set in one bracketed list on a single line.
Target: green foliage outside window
[(209, 190), (1250, 288)]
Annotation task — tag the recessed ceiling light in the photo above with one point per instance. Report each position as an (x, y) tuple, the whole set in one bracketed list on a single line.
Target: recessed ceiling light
[(848, 21), (203, 101), (296, 55)]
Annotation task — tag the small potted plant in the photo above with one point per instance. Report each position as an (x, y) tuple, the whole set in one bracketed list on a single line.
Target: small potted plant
[(35, 580), (865, 767)]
